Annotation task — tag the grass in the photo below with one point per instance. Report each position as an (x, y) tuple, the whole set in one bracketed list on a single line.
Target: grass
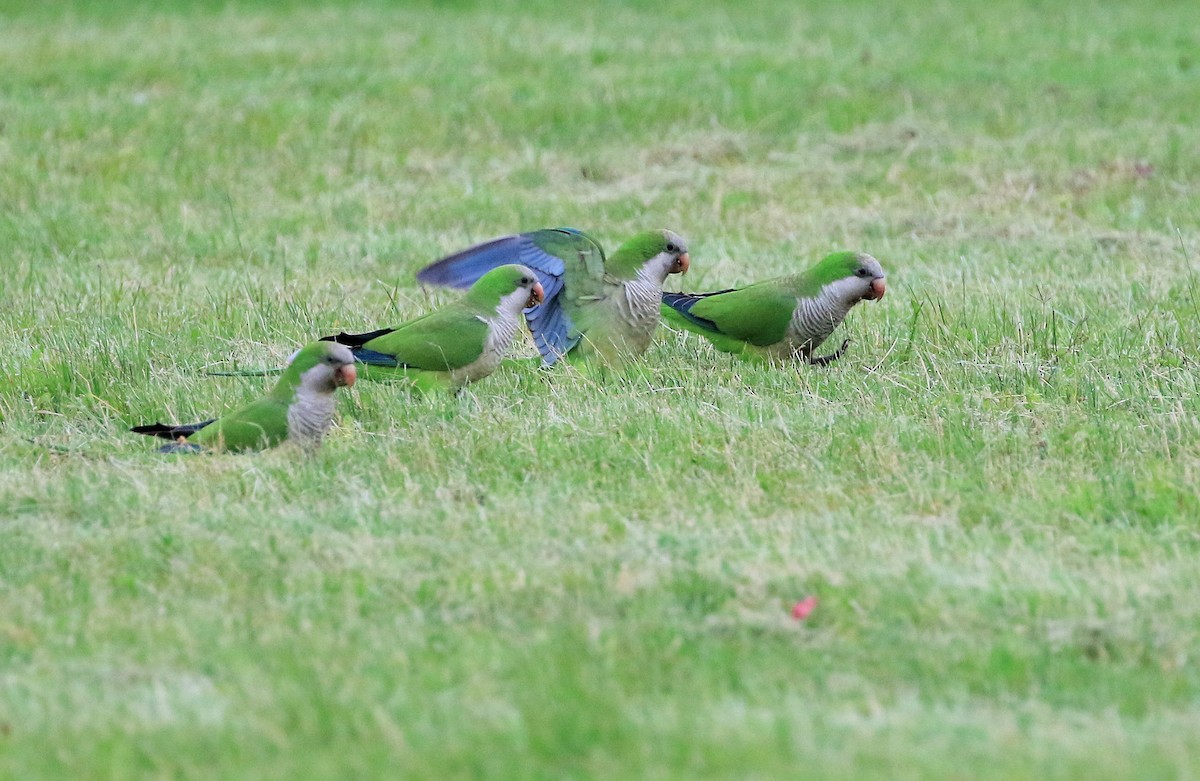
[(993, 497)]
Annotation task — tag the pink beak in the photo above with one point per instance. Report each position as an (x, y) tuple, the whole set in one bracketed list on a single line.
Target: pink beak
[(537, 295), (878, 288), (346, 376)]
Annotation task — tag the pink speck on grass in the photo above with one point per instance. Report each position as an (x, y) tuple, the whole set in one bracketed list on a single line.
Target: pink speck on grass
[(804, 608)]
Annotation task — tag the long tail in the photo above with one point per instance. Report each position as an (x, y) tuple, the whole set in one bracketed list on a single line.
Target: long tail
[(247, 373), (353, 341), (170, 432), (62, 450)]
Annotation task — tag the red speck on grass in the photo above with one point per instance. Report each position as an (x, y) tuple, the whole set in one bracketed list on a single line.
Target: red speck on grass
[(802, 609)]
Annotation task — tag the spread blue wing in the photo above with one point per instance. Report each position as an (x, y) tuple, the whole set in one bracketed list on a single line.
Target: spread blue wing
[(553, 333), (544, 251), (464, 268)]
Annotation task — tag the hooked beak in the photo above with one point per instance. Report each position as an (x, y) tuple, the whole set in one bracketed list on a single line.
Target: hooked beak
[(878, 288), (537, 295), (345, 376), (682, 264)]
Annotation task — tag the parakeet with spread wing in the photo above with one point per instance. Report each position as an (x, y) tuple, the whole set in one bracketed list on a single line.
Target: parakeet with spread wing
[(596, 307)]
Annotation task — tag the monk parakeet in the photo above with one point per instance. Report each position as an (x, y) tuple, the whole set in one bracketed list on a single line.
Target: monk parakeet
[(299, 408), (596, 306), (782, 318), (457, 344)]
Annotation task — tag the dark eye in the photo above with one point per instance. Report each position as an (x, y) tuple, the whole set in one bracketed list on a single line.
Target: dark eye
[(526, 281), (862, 272), (672, 248)]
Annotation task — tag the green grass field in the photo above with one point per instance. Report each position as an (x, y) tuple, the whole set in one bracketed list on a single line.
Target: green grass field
[(994, 497)]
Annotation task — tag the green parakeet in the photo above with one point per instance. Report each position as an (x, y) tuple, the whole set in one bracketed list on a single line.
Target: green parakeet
[(457, 344), (299, 408), (784, 318), (596, 307)]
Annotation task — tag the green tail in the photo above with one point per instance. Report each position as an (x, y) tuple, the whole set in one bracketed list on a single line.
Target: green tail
[(64, 450), (246, 373)]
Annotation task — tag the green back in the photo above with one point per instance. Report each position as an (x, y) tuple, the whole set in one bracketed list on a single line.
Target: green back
[(445, 339), (258, 425), (758, 314), (568, 245)]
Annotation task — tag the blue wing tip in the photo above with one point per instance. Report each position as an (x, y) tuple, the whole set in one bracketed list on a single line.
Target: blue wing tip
[(443, 276), (683, 303), (680, 302), (375, 358)]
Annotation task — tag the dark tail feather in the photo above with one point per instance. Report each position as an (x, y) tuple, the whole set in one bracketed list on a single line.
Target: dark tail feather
[(357, 340), (170, 432), (361, 354)]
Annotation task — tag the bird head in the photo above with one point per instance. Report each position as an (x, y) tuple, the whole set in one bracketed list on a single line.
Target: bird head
[(322, 367), (857, 275), (509, 288), (653, 255)]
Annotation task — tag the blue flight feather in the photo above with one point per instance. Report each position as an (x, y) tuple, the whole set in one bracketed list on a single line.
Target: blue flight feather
[(683, 303), (374, 358)]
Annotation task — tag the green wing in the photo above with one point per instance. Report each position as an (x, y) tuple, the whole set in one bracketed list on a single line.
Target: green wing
[(586, 286), (581, 277), (260, 424), (445, 339), (758, 314)]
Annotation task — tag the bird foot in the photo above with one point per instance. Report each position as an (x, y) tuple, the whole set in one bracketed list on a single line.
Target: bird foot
[(825, 360)]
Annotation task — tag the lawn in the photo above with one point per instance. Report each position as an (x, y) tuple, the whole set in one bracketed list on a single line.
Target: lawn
[(993, 497)]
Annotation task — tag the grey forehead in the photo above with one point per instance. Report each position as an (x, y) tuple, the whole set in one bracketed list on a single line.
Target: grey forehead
[(870, 263), (676, 239), (342, 353)]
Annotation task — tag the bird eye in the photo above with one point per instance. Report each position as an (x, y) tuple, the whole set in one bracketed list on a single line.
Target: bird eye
[(862, 272), (526, 280), (671, 247)]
